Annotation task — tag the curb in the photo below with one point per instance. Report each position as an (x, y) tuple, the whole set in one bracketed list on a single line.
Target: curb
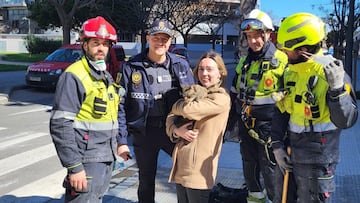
[(3, 98), (7, 91)]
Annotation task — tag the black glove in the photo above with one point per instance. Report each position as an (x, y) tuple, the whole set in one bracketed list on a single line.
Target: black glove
[(282, 159)]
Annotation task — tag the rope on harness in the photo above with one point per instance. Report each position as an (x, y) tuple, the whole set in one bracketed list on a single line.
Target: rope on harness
[(265, 143)]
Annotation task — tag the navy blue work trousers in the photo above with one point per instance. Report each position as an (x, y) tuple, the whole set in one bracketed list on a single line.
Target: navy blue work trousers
[(98, 180), (146, 149), (308, 183), (256, 163)]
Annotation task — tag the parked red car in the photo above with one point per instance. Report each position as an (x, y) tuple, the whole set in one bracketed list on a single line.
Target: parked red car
[(45, 74)]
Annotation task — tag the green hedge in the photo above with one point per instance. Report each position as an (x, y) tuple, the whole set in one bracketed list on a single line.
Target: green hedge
[(36, 45)]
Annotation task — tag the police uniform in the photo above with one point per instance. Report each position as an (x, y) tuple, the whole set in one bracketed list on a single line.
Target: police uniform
[(149, 92)]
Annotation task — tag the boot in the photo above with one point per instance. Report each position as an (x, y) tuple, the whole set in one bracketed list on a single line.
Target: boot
[(256, 197)]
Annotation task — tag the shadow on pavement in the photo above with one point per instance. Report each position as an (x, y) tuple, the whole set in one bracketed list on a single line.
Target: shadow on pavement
[(43, 199), (30, 199), (31, 96)]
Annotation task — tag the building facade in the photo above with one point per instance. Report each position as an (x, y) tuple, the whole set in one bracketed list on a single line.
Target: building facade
[(13, 17)]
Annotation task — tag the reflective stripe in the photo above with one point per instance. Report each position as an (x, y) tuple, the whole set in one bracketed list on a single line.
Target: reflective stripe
[(95, 35), (260, 15), (321, 127), (98, 126), (57, 114), (262, 100), (136, 95)]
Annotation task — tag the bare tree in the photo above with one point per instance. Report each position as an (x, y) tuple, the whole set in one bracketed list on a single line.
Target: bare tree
[(66, 16), (344, 20), (128, 16), (184, 15)]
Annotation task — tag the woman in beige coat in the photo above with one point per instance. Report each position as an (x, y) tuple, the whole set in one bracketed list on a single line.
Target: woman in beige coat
[(204, 110)]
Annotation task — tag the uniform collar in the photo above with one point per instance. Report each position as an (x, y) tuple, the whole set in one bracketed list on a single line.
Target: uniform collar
[(148, 63)]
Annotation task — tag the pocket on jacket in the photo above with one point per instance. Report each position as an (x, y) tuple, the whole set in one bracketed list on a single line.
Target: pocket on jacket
[(186, 156)]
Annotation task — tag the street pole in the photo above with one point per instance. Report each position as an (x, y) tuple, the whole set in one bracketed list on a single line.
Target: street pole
[(29, 31), (222, 40), (355, 56)]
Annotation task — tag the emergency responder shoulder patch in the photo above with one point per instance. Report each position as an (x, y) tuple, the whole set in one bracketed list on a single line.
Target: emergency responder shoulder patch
[(136, 78)]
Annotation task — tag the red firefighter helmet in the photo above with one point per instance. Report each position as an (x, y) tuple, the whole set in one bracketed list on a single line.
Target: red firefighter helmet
[(98, 28)]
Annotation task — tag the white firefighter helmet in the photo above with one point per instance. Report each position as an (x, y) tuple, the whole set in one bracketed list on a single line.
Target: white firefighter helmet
[(262, 17)]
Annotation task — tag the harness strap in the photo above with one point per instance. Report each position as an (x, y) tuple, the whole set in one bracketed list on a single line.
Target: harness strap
[(266, 143), (248, 94)]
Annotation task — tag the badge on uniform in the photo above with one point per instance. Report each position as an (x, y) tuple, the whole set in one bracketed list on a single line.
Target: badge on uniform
[(118, 77), (159, 79), (136, 79), (268, 82)]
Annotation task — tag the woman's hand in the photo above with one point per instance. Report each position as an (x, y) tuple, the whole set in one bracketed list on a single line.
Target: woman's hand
[(184, 132)]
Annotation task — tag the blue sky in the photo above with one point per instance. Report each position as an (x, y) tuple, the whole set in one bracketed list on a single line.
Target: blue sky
[(277, 9)]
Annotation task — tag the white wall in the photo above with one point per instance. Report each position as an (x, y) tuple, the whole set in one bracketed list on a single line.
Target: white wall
[(16, 43)]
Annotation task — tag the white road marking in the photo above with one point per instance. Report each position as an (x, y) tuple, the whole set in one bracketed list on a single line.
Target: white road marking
[(25, 138), (43, 108), (49, 186), (26, 158)]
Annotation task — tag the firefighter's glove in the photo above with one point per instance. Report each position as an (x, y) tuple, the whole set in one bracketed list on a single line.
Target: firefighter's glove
[(282, 159), (334, 71)]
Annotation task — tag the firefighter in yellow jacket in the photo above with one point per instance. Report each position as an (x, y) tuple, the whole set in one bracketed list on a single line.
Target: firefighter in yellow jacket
[(319, 101), (83, 121), (258, 76)]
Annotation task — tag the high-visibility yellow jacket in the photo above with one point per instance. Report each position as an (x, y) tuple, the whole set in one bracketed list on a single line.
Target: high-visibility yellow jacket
[(302, 82), (270, 69), (311, 115), (83, 122)]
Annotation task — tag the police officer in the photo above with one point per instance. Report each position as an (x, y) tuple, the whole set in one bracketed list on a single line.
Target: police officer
[(151, 82), (83, 123), (319, 102), (258, 75)]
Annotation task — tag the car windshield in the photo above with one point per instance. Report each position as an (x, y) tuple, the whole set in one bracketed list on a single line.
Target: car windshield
[(64, 55)]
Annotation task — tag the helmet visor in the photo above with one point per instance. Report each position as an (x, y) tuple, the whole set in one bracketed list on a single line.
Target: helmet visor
[(249, 25)]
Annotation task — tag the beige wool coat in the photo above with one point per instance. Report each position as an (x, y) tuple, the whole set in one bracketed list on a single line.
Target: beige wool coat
[(195, 164)]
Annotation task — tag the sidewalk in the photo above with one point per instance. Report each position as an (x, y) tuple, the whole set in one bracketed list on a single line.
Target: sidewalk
[(124, 184), (123, 187), (10, 81)]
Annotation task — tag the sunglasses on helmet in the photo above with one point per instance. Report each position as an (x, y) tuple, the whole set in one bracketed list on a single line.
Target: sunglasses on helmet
[(252, 24)]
